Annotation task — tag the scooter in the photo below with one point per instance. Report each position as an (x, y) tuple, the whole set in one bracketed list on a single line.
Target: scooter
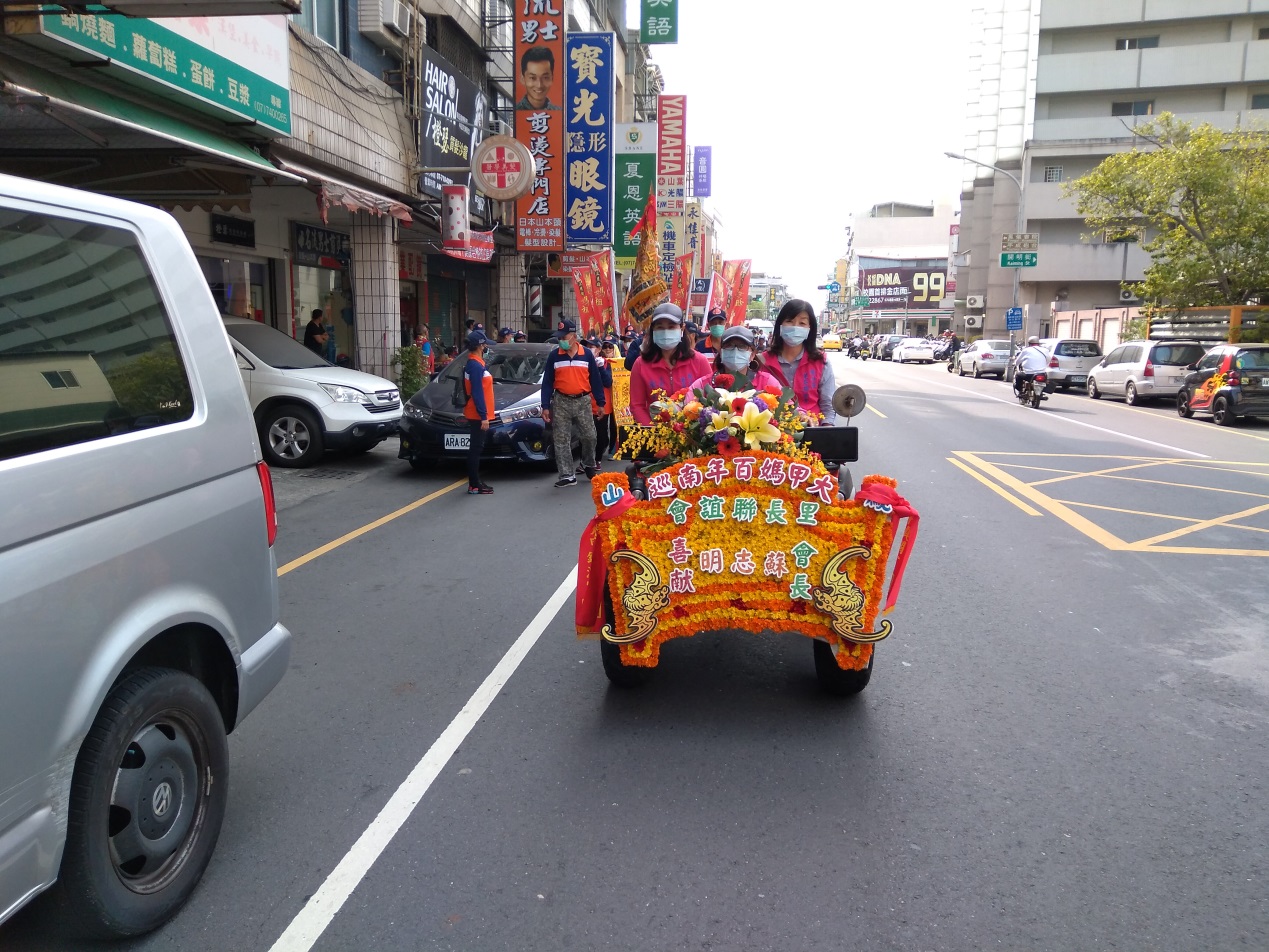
[(1032, 391)]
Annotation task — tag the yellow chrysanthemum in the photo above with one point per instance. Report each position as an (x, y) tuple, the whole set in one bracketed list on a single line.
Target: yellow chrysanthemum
[(755, 426)]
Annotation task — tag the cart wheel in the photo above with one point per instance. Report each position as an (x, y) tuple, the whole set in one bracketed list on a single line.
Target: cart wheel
[(622, 675), (832, 678)]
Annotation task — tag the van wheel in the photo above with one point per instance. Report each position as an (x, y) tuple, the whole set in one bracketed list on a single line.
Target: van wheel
[(1130, 394), (147, 800), (1091, 389), (1222, 414), (621, 675), (832, 678), (291, 436), (1183, 408)]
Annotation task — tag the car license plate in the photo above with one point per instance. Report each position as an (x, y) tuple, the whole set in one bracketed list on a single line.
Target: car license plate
[(457, 441), (1079, 380)]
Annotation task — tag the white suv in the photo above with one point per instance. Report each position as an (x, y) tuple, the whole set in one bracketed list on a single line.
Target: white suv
[(1140, 369), (304, 404)]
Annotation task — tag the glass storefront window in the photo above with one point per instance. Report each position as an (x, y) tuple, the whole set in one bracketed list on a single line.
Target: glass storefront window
[(330, 290), (239, 287)]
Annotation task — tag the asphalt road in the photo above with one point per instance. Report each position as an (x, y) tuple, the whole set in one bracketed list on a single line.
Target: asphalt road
[(1063, 745)]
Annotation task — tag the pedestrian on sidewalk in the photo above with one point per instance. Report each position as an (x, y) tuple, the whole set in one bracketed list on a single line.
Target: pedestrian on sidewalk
[(571, 378), (479, 409)]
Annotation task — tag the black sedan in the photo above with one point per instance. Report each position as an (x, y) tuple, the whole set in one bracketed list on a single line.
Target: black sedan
[(433, 426)]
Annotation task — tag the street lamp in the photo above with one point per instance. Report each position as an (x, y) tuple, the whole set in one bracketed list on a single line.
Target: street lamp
[(1019, 224)]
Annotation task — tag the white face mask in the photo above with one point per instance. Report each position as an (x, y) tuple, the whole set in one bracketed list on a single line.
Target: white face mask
[(736, 358), (794, 335), (667, 338)]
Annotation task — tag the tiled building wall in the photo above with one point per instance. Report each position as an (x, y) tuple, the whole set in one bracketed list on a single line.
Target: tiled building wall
[(377, 292)]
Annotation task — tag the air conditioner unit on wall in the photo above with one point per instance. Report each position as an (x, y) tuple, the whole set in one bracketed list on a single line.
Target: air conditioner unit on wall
[(973, 320), (385, 23), (1127, 296), (974, 302), (397, 15)]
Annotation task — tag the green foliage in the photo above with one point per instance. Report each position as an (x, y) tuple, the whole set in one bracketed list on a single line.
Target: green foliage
[(1136, 329), (144, 384), (408, 362), (1203, 196)]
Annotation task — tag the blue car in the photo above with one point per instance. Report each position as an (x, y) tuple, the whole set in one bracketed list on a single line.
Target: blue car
[(433, 426)]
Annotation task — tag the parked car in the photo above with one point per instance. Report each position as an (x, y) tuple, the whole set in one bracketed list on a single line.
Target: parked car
[(1230, 381), (1070, 361), (983, 357), (1140, 369), (433, 426), (913, 348), (304, 404), (884, 346), (831, 341), (140, 596)]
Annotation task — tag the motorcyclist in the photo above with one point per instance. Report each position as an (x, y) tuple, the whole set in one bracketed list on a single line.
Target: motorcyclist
[(1030, 361)]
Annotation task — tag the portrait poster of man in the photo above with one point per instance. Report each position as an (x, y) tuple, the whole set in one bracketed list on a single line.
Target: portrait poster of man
[(539, 57)]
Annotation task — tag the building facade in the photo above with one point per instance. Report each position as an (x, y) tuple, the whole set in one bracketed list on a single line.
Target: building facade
[(1055, 87)]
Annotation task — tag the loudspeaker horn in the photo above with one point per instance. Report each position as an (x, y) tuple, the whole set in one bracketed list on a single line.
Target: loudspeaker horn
[(849, 400)]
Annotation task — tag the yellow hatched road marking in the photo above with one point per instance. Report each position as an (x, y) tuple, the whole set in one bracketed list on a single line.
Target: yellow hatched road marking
[(994, 488), (1205, 524), (1098, 472)]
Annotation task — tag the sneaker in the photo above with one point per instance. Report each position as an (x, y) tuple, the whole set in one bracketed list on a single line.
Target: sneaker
[(481, 490), (591, 472), (565, 481)]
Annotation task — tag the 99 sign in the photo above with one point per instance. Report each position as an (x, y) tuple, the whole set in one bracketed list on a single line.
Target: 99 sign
[(928, 286)]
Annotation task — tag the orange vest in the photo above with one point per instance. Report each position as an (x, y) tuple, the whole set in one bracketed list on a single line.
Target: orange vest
[(469, 409)]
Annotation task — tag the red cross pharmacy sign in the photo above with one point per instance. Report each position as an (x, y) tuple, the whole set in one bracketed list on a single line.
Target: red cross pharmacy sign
[(502, 168)]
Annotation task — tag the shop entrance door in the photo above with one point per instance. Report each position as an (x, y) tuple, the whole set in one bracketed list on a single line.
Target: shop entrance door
[(446, 310)]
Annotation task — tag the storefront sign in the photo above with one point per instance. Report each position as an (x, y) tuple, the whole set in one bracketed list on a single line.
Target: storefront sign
[(659, 21), (316, 247), (671, 159), (227, 230), (540, 65), (702, 170), (455, 113), (203, 57), (893, 288), (590, 91), (411, 265), (634, 175), (693, 234), (669, 231), (561, 265), (480, 248), (700, 292), (455, 223), (502, 168)]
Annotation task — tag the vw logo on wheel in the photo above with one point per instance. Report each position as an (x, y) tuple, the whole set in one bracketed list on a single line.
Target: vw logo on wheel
[(162, 799)]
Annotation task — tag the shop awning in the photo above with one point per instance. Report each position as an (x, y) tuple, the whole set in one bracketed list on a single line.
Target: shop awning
[(64, 99), (355, 198)]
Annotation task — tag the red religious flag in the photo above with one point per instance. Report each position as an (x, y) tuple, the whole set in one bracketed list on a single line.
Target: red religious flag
[(737, 275), (584, 289), (539, 59), (681, 285), (719, 294), (605, 290)]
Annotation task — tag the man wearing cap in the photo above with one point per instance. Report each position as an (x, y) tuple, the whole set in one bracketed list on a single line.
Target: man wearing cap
[(504, 335), (715, 323), (520, 337), (607, 428), (479, 409), (665, 362), (570, 380)]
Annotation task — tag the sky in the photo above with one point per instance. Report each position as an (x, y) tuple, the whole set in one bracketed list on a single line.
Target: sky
[(817, 111)]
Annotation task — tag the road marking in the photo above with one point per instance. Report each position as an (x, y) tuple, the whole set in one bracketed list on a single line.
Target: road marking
[(307, 927), (1155, 515), (994, 488), (368, 527), (1073, 474), (1091, 426), (876, 411), (1205, 524)]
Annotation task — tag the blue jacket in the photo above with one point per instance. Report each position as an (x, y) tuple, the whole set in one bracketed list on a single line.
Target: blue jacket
[(558, 356)]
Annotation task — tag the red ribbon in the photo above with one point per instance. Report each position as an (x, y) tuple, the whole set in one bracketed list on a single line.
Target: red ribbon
[(900, 508), (591, 570)]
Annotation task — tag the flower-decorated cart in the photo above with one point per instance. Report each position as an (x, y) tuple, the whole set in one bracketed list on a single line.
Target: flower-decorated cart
[(738, 516)]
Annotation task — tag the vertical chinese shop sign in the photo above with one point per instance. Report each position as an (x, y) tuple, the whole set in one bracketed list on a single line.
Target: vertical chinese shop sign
[(588, 136), (659, 21), (635, 175), (671, 177), (540, 68)]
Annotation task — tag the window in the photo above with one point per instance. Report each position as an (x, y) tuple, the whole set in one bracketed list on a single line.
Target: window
[(1260, 101), (1263, 33), (86, 350), (1211, 359), (1053, 173), (1139, 107), (324, 19), (1137, 43), (1116, 356)]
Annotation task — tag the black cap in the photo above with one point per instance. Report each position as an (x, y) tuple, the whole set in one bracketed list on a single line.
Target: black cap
[(476, 338), (565, 326), (716, 314), (692, 327)]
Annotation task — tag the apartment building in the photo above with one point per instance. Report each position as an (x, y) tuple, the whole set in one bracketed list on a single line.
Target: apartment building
[(1055, 87)]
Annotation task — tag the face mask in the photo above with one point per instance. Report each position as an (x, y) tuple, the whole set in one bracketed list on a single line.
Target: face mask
[(565, 346), (736, 358), (716, 330), (666, 339), (794, 335)]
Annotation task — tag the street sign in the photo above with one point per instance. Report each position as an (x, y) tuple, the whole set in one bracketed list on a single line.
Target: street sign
[(1018, 259), (1013, 319), (1021, 242), (861, 301), (834, 287)]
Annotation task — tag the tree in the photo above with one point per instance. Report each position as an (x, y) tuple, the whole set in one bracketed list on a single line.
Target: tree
[(1202, 196)]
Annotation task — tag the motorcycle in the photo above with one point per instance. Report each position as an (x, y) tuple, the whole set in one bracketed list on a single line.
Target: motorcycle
[(1032, 391)]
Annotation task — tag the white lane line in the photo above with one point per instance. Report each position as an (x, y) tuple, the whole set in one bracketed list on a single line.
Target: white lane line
[(1091, 426), (307, 927)]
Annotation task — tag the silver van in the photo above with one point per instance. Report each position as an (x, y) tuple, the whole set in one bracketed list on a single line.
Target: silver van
[(1140, 369), (139, 609)]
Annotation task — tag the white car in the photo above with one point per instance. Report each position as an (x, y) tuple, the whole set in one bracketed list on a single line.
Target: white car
[(304, 404), (913, 348)]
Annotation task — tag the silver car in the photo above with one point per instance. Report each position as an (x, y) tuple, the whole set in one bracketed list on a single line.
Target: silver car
[(1070, 361), (983, 357), (139, 611), (1140, 369)]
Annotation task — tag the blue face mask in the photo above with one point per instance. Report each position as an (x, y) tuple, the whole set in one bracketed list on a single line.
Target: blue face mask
[(667, 338), (794, 335), (735, 358)]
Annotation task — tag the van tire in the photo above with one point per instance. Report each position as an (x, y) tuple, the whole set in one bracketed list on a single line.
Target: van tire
[(291, 436), (1091, 389), (1131, 396), (158, 732)]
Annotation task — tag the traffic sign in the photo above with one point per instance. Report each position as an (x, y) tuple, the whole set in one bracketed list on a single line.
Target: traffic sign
[(1020, 242), (1013, 319), (1018, 259), (861, 301), (834, 287)]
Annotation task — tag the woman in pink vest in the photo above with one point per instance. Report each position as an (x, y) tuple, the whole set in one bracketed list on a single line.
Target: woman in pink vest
[(665, 363), (795, 361)]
